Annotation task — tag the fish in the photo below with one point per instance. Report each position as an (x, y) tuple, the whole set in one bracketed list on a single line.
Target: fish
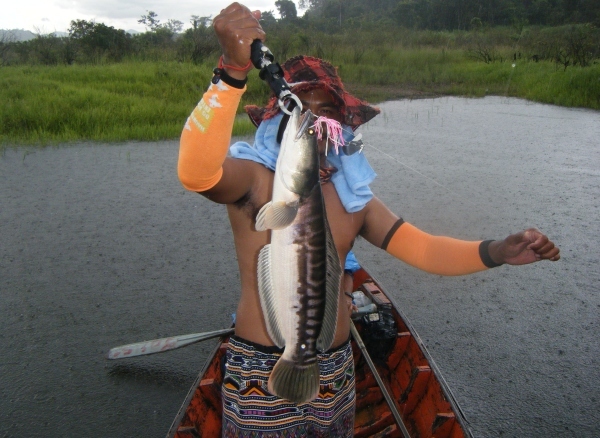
[(299, 271)]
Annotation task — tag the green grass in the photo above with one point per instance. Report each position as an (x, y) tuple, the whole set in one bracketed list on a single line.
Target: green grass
[(443, 72), (151, 101), (141, 101)]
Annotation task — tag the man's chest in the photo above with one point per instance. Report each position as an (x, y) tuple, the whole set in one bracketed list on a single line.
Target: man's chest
[(344, 226)]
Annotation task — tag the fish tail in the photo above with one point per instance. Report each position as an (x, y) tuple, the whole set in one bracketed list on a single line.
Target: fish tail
[(294, 382)]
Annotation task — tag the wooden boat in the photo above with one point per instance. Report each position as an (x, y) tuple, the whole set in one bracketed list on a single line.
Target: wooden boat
[(409, 374)]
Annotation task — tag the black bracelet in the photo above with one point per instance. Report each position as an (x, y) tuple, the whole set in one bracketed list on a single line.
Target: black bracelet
[(221, 75), (484, 253), (349, 295)]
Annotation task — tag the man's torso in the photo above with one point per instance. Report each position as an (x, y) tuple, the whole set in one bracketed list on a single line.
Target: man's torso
[(344, 226)]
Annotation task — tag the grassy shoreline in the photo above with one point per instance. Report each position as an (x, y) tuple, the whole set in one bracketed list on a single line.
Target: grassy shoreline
[(150, 101)]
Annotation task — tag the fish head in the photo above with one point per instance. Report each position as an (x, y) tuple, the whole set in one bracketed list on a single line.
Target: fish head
[(298, 161)]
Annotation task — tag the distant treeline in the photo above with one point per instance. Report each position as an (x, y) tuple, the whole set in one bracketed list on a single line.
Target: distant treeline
[(449, 14), (563, 31)]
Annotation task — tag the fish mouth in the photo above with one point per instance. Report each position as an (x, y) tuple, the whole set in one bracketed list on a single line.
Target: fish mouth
[(306, 124)]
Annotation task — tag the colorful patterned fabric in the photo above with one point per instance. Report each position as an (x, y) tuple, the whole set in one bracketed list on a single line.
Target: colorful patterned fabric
[(249, 410), (305, 73)]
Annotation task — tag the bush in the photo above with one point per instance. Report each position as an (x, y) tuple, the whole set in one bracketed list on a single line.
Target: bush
[(565, 45), (197, 45)]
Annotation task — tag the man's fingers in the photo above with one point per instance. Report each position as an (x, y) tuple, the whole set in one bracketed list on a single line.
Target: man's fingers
[(537, 240), (543, 247), (233, 7), (551, 254), (547, 251), (237, 16), (239, 13), (236, 28)]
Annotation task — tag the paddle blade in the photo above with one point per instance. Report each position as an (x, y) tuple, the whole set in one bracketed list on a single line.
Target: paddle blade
[(164, 344)]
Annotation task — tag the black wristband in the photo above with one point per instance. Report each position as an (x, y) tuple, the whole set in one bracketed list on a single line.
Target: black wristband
[(221, 74), (484, 253)]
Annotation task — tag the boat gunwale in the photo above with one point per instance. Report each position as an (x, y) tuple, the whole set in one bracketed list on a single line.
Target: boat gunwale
[(445, 388)]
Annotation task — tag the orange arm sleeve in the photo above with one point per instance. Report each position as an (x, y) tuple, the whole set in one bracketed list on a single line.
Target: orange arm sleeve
[(437, 254), (206, 135)]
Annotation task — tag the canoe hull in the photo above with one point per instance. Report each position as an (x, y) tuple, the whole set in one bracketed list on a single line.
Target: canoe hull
[(420, 394)]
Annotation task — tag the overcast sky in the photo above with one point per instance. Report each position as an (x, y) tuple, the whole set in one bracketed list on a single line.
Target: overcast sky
[(48, 16)]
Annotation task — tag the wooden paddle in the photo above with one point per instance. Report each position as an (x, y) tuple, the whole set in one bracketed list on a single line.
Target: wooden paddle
[(163, 344), (386, 394)]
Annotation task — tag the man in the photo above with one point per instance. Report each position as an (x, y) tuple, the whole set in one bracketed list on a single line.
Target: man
[(244, 180)]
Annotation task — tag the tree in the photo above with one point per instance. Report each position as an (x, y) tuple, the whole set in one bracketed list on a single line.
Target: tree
[(200, 22), (287, 9), (151, 20), (174, 26), (96, 39), (267, 19), (7, 42), (47, 49), (199, 42), (80, 29), (310, 4)]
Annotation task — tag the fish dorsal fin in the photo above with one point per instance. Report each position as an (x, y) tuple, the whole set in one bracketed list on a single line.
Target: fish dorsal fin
[(276, 215), (267, 296), (333, 285)]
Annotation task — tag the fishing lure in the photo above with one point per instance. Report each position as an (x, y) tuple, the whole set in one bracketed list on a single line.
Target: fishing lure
[(333, 130)]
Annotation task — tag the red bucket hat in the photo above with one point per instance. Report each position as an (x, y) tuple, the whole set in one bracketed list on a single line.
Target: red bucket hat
[(305, 73)]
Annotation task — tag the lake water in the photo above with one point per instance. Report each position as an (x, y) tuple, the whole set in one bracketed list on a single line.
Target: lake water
[(101, 246)]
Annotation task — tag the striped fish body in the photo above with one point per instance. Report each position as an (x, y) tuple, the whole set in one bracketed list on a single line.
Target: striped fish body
[(299, 272)]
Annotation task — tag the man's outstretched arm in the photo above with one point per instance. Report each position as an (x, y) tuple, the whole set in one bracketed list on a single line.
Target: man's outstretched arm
[(448, 256)]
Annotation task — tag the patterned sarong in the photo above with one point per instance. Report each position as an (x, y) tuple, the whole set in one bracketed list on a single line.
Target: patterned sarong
[(249, 410)]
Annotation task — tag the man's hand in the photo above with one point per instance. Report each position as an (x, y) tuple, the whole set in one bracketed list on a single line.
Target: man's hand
[(236, 28), (528, 246)]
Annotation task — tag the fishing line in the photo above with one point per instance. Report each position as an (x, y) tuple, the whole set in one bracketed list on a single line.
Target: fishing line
[(459, 196), (491, 218)]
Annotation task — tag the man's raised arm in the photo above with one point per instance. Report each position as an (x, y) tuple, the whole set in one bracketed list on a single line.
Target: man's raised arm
[(207, 133)]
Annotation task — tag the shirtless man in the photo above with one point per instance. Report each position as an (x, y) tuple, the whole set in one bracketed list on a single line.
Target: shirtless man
[(245, 185)]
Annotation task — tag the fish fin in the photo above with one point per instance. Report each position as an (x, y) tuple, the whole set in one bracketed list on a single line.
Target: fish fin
[(294, 382), (333, 285), (260, 217), (276, 215), (267, 296)]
